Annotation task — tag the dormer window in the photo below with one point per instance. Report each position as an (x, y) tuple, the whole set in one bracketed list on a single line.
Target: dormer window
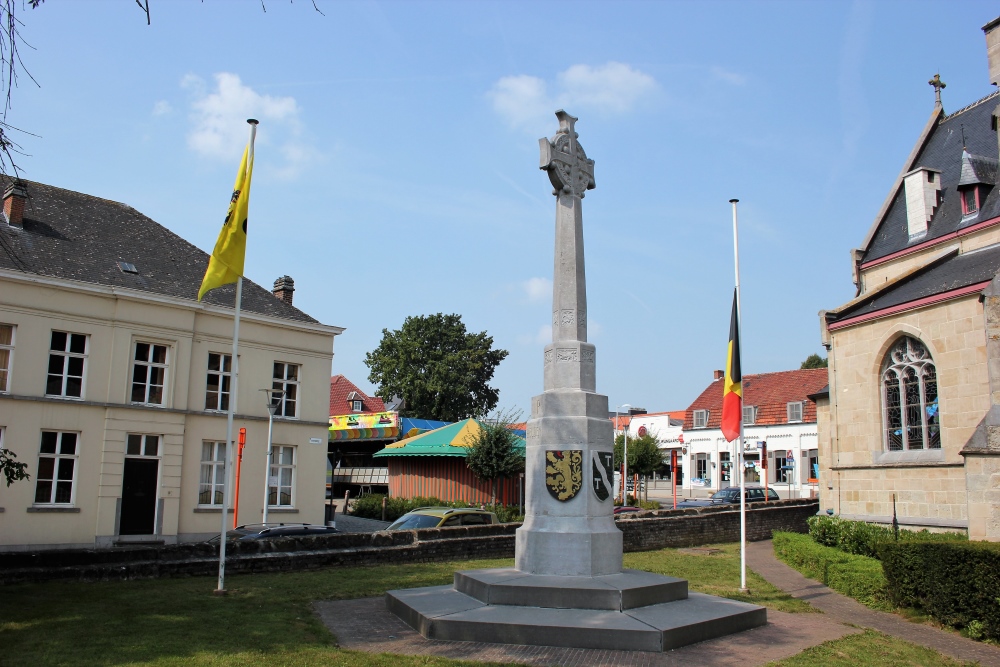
[(355, 406), (354, 401), (970, 201)]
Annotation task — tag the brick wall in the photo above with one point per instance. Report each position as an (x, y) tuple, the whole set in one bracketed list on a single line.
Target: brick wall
[(648, 531)]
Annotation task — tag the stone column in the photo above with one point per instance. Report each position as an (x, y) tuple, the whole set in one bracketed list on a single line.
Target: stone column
[(569, 526)]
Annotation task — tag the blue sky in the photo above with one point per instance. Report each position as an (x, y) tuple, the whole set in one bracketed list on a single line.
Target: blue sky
[(397, 156)]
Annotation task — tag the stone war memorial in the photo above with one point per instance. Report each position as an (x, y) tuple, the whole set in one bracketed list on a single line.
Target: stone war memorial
[(567, 586)]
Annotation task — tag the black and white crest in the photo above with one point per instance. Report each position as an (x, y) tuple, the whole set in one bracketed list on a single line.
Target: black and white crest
[(603, 464)]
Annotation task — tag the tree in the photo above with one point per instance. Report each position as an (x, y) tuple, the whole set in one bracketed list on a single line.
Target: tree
[(493, 454), (644, 455), (814, 361), (439, 369), (13, 470)]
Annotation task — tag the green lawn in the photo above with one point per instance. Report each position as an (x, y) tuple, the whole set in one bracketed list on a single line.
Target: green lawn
[(869, 649), (267, 619)]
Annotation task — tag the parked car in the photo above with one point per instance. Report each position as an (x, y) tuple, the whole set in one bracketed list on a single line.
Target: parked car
[(443, 517), (731, 495), (625, 509), (262, 531)]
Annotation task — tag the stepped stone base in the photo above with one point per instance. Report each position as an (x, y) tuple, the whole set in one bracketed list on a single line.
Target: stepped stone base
[(633, 610)]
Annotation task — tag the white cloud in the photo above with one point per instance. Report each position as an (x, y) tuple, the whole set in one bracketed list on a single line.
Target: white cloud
[(537, 289), (162, 108), (728, 76), (541, 337), (219, 118), (613, 88)]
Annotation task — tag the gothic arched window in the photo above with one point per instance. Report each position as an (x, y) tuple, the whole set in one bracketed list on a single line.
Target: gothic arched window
[(911, 420)]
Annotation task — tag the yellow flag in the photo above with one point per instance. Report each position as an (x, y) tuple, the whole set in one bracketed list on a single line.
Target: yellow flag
[(225, 266)]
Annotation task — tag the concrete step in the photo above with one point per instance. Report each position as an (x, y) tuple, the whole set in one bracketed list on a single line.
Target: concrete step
[(615, 592), (441, 612)]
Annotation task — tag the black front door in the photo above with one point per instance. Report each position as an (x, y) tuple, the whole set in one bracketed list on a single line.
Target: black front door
[(139, 497)]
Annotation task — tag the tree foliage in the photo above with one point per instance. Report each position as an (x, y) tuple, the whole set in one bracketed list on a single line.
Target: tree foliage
[(437, 367), (814, 361), (13, 470), (644, 454), (493, 454)]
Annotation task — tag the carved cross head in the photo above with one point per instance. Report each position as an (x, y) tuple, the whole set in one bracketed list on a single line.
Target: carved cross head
[(570, 172)]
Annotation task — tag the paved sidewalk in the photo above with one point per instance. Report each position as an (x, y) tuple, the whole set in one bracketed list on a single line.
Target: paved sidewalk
[(761, 559), (366, 625)]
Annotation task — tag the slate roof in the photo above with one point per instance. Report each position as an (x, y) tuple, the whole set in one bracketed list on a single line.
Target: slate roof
[(951, 273), (770, 393), (75, 236), (341, 388), (943, 152)]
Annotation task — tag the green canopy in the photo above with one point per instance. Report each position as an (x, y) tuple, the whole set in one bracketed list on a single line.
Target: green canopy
[(452, 440)]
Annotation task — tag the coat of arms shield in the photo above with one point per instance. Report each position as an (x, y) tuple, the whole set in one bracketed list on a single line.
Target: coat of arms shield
[(563, 472), (603, 463)]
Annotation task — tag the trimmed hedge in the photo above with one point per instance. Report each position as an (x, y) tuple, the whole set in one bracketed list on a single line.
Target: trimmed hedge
[(370, 507), (865, 539), (956, 583), (859, 577)]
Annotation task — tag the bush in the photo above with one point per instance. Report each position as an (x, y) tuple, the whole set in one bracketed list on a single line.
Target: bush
[(370, 507), (865, 539), (859, 577), (958, 583)]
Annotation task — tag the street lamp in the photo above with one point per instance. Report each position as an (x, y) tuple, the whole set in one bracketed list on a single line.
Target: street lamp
[(273, 398), (624, 455)]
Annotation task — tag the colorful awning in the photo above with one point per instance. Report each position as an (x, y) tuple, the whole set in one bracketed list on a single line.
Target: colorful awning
[(368, 426), (451, 440)]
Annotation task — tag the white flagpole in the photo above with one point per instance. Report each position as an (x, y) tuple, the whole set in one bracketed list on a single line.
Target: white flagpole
[(739, 442), (233, 397)]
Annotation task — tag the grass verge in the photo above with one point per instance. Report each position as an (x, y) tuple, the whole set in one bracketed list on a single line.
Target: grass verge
[(266, 619), (869, 649), (859, 577)]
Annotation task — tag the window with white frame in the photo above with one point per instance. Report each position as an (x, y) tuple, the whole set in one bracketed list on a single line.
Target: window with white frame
[(749, 414), (6, 355), (56, 475), (701, 466), (149, 373), (700, 418), (286, 379), (910, 413), (142, 445), (281, 481), (218, 383), (213, 473), (67, 363), (356, 406), (795, 411)]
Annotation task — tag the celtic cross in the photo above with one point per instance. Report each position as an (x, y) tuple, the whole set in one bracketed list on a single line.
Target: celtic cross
[(570, 172)]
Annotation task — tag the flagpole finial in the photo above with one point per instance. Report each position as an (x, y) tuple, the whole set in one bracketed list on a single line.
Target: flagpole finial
[(253, 121), (733, 201)]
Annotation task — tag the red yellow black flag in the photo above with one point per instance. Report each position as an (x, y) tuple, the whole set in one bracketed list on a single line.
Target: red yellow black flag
[(732, 390)]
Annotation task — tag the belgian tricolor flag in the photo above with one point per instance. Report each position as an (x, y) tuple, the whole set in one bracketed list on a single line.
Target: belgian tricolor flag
[(732, 390)]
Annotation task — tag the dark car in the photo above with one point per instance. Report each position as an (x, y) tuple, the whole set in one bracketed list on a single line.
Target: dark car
[(731, 495), (269, 531), (626, 509)]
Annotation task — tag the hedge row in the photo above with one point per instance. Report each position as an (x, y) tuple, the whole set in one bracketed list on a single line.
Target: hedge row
[(956, 583), (865, 539), (859, 577), (370, 507)]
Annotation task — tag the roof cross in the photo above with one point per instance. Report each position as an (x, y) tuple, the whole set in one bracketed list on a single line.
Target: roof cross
[(938, 85), (570, 172)]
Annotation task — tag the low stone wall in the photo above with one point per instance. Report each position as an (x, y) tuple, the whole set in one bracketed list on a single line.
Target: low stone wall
[(643, 531)]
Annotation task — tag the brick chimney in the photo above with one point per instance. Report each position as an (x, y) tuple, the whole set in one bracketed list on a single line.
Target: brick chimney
[(283, 288), (992, 30), (13, 204), (720, 374)]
